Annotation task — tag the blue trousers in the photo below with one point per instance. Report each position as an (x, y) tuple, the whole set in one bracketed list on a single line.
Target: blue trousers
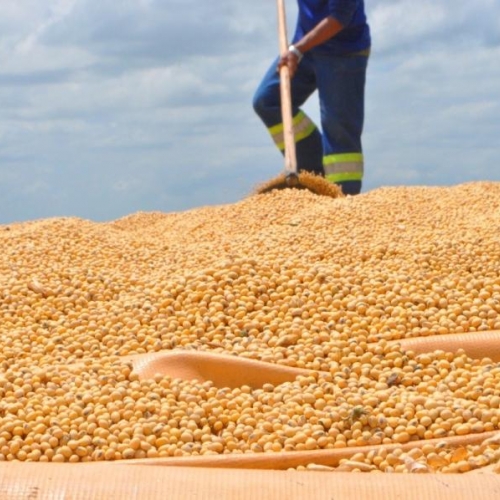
[(336, 152)]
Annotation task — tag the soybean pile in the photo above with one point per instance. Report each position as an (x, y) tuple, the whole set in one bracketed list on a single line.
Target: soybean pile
[(287, 277)]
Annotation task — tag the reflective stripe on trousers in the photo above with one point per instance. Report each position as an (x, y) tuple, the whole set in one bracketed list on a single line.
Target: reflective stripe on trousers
[(303, 127), (343, 167)]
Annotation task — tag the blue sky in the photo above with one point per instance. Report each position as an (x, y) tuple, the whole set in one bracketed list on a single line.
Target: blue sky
[(118, 106)]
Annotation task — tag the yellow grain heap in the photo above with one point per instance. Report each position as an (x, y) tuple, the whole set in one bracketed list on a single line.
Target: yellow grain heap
[(287, 277)]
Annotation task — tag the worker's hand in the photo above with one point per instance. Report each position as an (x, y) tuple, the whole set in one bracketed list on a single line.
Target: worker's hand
[(291, 60)]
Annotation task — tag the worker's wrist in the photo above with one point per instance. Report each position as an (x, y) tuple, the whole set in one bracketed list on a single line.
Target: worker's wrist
[(296, 51)]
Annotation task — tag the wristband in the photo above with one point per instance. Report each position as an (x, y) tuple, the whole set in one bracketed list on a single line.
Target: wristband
[(296, 51)]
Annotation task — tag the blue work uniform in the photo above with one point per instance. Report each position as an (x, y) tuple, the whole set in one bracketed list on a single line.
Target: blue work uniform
[(337, 70)]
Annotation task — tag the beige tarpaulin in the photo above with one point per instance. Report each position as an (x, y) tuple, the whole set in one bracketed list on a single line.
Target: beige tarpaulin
[(122, 482)]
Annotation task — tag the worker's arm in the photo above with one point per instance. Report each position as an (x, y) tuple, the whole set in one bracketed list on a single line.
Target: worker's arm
[(322, 32)]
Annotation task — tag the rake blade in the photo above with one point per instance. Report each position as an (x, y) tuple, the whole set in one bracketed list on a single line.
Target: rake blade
[(305, 180)]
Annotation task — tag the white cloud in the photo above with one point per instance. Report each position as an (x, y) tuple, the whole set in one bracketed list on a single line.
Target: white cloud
[(403, 22), (58, 10), (409, 26)]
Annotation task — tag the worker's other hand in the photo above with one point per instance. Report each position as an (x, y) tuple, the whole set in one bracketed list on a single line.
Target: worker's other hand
[(291, 60)]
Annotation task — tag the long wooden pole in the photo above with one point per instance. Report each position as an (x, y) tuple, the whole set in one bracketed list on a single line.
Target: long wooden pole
[(286, 99)]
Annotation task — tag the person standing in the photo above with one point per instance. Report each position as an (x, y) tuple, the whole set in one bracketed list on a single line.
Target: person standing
[(329, 53)]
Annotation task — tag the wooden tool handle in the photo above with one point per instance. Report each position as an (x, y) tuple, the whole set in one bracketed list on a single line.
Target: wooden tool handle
[(286, 95)]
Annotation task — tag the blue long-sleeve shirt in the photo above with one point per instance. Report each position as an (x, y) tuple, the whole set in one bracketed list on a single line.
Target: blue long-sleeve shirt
[(355, 36)]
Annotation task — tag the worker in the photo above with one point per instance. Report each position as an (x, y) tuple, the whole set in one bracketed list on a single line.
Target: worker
[(329, 53)]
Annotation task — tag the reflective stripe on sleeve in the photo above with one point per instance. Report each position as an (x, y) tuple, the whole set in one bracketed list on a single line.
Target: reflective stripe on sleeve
[(343, 167), (303, 127)]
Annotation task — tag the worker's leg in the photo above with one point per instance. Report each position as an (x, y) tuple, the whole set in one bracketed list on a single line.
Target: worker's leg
[(341, 88), (267, 104)]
